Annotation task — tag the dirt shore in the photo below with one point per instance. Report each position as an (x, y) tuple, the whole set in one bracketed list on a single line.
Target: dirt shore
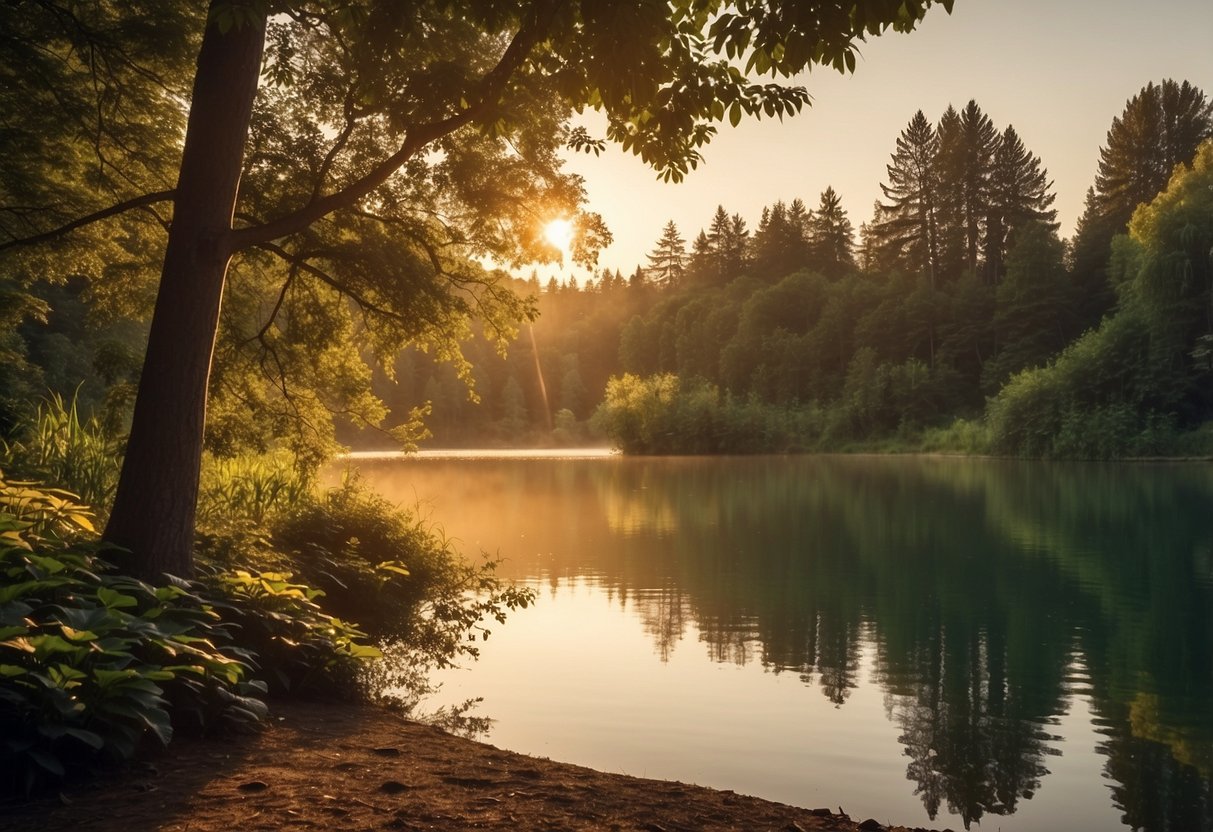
[(350, 767)]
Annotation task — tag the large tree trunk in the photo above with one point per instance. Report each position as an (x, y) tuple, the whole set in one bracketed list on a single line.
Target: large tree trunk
[(153, 514)]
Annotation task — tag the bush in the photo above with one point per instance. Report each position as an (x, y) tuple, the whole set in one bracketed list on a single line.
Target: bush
[(92, 661), (295, 645), (372, 563), (962, 436), (664, 415), (399, 578)]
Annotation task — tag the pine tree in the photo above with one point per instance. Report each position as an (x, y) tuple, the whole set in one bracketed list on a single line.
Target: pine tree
[(718, 241), (737, 253), (981, 141), (728, 240), (703, 262), (949, 175), (779, 245), (799, 217), (965, 166), (1020, 194), (1161, 127), (904, 229), (667, 262), (831, 236)]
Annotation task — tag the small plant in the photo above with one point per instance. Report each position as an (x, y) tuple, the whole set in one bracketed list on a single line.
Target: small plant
[(251, 488), (60, 447), (298, 647), (376, 564), (35, 513)]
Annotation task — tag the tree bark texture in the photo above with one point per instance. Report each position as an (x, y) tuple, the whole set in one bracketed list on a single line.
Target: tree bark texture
[(154, 508)]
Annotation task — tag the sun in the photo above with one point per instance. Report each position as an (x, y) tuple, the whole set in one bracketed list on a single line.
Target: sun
[(559, 233)]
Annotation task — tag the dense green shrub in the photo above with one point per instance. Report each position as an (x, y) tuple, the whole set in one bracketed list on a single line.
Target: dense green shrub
[(295, 646), (93, 662), (664, 415), (387, 569), (356, 556)]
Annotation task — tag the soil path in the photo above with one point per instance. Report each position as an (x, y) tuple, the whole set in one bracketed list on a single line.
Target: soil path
[(352, 767)]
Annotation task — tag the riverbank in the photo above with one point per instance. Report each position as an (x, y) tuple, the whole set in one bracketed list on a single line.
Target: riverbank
[(356, 767)]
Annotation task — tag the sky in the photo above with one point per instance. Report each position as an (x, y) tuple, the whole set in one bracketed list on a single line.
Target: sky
[(1058, 70)]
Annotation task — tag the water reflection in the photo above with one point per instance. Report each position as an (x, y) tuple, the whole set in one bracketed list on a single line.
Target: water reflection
[(991, 592)]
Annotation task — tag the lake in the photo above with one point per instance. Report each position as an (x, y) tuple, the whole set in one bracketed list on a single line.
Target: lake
[(926, 641)]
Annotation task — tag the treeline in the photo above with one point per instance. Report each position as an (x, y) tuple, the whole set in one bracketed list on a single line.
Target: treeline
[(957, 300), (954, 316), (874, 557)]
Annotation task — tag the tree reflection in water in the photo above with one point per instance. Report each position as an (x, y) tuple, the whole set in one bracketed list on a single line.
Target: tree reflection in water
[(988, 594)]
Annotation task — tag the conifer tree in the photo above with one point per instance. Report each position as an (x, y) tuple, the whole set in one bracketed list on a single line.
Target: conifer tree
[(1020, 194), (779, 245), (703, 264), (967, 141), (949, 215), (667, 262), (904, 229), (728, 239), (1159, 128), (737, 252), (831, 236), (981, 141)]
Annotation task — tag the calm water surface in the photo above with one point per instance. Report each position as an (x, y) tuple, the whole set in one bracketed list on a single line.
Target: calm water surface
[(1003, 645)]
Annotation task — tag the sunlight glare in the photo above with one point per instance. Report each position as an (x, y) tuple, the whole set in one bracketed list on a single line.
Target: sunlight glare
[(559, 233)]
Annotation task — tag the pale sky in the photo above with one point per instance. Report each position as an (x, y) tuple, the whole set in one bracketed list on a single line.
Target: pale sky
[(1058, 71)]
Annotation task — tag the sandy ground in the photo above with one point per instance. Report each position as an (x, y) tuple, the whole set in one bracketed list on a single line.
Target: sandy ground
[(355, 767)]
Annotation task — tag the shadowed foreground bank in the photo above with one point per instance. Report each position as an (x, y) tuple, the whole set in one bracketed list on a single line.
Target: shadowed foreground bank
[(363, 768)]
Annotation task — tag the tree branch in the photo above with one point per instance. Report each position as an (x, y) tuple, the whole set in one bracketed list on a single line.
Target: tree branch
[(122, 207), (324, 277), (491, 88)]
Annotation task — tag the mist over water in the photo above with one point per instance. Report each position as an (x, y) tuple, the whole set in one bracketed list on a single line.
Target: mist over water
[(925, 641)]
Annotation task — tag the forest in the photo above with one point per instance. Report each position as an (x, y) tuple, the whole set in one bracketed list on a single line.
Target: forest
[(954, 318)]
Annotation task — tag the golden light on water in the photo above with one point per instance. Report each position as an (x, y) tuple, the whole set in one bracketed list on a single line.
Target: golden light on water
[(559, 233)]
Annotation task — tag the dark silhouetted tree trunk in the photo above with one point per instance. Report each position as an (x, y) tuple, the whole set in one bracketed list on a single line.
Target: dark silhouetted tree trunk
[(154, 508)]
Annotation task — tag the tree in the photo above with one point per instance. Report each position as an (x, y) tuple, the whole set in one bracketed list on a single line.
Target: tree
[(780, 245), (1020, 195), (1160, 127), (1032, 305), (905, 228), (949, 166), (967, 143), (727, 240), (392, 90), (831, 237), (667, 262)]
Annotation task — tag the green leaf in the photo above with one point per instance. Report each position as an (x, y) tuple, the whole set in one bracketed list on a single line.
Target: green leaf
[(114, 599)]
